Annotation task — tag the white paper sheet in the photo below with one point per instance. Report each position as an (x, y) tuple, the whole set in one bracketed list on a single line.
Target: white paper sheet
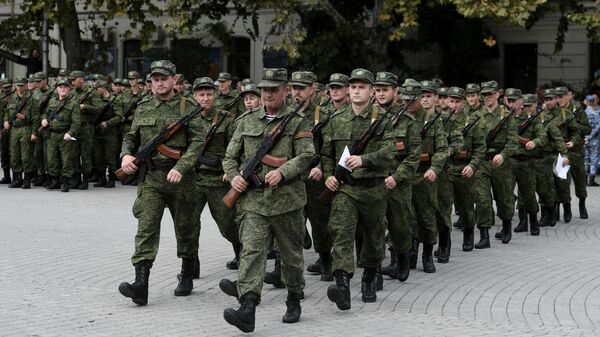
[(560, 170), (344, 157)]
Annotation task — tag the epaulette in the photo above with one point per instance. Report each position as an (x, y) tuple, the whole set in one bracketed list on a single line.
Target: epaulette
[(246, 113)]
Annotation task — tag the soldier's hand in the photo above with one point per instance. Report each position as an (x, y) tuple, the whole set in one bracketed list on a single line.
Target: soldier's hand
[(530, 145), (467, 172), (103, 125), (565, 161), (332, 184), (33, 138), (272, 178), (81, 106), (45, 123), (6, 125), (498, 160), (315, 174), (569, 145), (430, 175), (174, 177), (225, 178), (127, 164), (354, 162), (67, 137), (390, 183), (239, 184)]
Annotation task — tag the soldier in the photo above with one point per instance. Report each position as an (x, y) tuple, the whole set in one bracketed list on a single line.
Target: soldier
[(592, 141), (23, 119), (126, 106), (442, 99), (226, 94), (472, 91), (107, 126), (167, 182), (338, 91), (180, 85), (7, 91), (251, 96), (62, 119), (363, 201), (42, 96), (268, 212)]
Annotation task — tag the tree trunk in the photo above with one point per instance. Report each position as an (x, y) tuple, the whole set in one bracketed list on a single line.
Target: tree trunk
[(68, 25)]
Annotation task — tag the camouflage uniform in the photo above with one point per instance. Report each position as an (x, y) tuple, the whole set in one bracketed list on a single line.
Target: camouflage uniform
[(106, 144), (222, 99), (41, 146), (5, 140)]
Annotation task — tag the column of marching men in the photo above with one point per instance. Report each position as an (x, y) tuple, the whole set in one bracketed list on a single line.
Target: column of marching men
[(369, 161)]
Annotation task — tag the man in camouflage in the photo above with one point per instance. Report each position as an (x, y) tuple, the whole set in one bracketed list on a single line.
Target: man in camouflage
[(106, 141), (7, 91), (42, 95), (226, 94)]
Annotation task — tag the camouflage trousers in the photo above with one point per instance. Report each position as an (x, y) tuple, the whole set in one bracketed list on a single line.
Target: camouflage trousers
[(350, 206), (459, 191), (153, 194), (525, 179), (318, 215), (105, 149), (399, 214), (85, 149), (223, 216), (425, 202), (256, 233), (499, 181), (577, 171), (5, 151), (445, 198), (40, 153), (545, 180), (61, 155), (21, 150)]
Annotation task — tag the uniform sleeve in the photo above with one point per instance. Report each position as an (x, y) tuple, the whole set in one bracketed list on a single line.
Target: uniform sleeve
[(440, 146), (118, 114), (382, 156), (233, 154), (35, 115), (195, 139), (131, 140), (409, 165), (555, 138), (479, 146), (93, 104), (75, 120), (512, 139), (540, 137), (304, 152), (584, 124), (327, 153), (455, 139)]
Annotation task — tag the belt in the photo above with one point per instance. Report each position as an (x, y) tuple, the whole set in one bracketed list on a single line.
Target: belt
[(162, 165), (210, 173), (458, 161), (282, 183), (523, 157), (368, 182), (58, 130)]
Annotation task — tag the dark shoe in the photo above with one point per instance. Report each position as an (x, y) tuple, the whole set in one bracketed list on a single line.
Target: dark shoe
[(75, 181), (506, 231), (498, 235), (583, 214), (545, 219), (138, 291), (54, 183), (307, 242), (444, 246), (244, 317), (339, 293), (101, 182), (413, 254), (378, 279), (369, 295), (84, 183), (65, 186), (274, 277), (235, 263), (592, 181), (48, 181), (392, 269), (41, 180), (468, 239), (17, 181), (6, 179), (567, 215), (27, 181), (427, 258), (523, 224), (535, 229), (111, 180), (555, 213), (484, 241), (293, 311), (186, 282), (403, 267), (229, 287), (315, 267), (326, 264)]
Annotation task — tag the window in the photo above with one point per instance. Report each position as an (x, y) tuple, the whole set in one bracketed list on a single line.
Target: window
[(238, 62), (594, 60), (194, 60), (520, 66), (133, 56)]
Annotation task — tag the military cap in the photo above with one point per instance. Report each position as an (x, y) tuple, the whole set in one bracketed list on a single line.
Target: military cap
[(250, 88), (63, 73), (224, 77), (179, 78), (360, 74), (63, 82), (561, 90), (101, 83), (273, 77), (549, 93), (512, 93), (32, 78), (456, 92), (320, 87), (338, 79), (489, 87), (429, 86), (443, 91), (410, 89), (303, 78), (76, 74), (40, 76), (20, 81), (472, 88), (97, 77), (246, 81), (6, 82), (124, 82), (163, 67), (117, 81), (529, 99), (386, 78), (133, 75), (203, 83), (148, 78)]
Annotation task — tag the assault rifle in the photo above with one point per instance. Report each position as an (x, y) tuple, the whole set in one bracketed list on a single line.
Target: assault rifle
[(145, 152), (54, 114), (16, 115), (524, 126), (489, 138), (565, 122), (248, 172), (316, 129), (108, 107), (400, 113), (131, 108), (470, 125), (428, 125)]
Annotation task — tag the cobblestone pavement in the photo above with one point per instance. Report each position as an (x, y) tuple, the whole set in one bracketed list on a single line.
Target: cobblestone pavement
[(63, 256)]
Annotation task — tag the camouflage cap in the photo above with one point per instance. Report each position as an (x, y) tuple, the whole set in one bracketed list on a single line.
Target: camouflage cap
[(472, 88), (338, 79), (20, 81), (320, 87), (133, 75), (250, 88), (32, 78), (224, 77), (410, 89), (303, 78), (63, 73), (529, 99), (148, 78), (512, 93), (203, 83), (246, 81), (456, 92), (76, 74), (179, 78), (443, 91), (363, 75), (549, 93), (429, 86), (163, 67), (97, 77), (101, 83), (116, 81), (489, 87), (386, 78), (63, 82), (6, 82), (125, 83), (273, 77), (561, 90), (40, 76)]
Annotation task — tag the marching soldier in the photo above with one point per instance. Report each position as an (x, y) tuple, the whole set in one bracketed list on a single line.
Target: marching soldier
[(226, 94)]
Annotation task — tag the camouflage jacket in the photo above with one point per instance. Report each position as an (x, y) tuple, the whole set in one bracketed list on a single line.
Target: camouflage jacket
[(27, 109), (92, 104), (434, 143), (564, 120), (506, 140), (405, 141), (67, 120), (472, 148), (535, 132), (209, 174)]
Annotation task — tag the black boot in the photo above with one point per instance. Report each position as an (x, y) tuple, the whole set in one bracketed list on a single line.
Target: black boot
[(506, 231), (137, 291), (27, 181), (274, 277), (17, 180), (229, 287), (95, 177), (583, 214), (378, 279), (427, 258), (339, 293), (484, 241), (444, 246), (75, 181), (458, 223), (315, 267), (196, 270), (244, 317), (369, 294), (545, 219), (84, 183), (307, 242), (110, 183), (326, 264), (64, 187), (403, 267), (413, 254), (186, 282), (567, 215), (358, 251), (54, 183), (101, 181), (41, 180), (6, 179), (392, 269), (498, 234), (48, 181), (468, 239), (523, 224), (235, 263), (555, 213), (293, 311), (535, 228), (592, 181)]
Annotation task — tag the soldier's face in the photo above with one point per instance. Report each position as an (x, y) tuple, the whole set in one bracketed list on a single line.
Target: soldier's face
[(550, 102), (384, 94), (338, 93), (530, 109), (563, 100), (133, 83), (428, 100), (251, 101), (78, 82), (360, 92), (300, 93), (21, 88), (413, 107), (455, 103), (473, 99), (163, 84), (491, 99), (272, 98), (205, 97), (63, 91), (224, 86), (442, 101)]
